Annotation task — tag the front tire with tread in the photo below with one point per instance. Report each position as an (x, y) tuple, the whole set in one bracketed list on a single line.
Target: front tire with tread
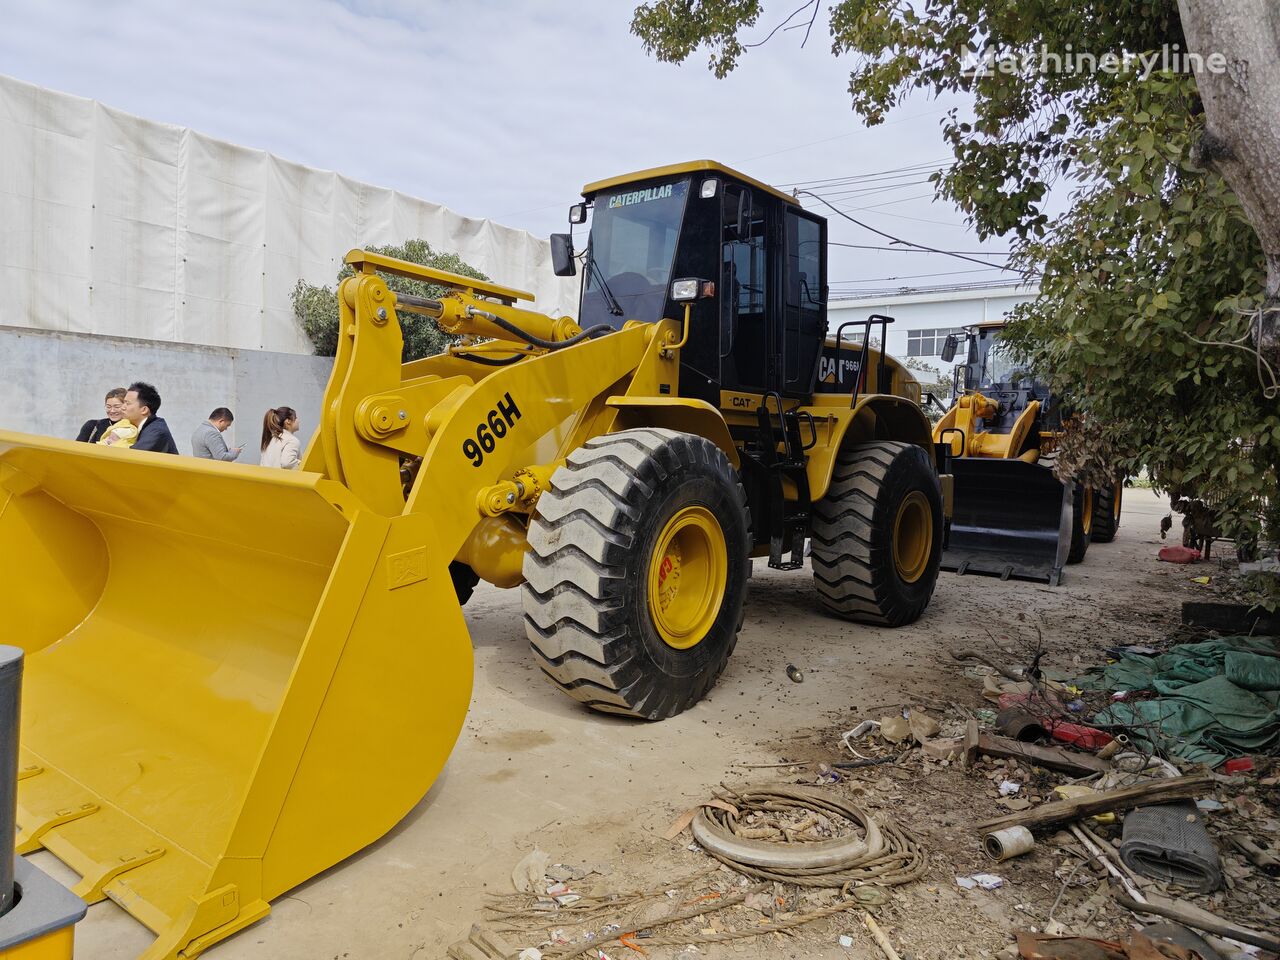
[(586, 590)]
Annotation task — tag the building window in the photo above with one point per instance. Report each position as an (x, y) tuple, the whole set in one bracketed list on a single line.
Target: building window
[(928, 343)]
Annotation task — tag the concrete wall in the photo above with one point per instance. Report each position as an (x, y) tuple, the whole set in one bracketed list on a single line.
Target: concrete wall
[(932, 310), (50, 383)]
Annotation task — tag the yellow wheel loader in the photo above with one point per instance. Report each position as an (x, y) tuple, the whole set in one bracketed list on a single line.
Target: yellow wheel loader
[(621, 470), (1013, 517)]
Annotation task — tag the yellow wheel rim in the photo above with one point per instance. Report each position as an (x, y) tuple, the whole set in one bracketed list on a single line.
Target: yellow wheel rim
[(1086, 509), (687, 573), (1115, 502), (912, 537)]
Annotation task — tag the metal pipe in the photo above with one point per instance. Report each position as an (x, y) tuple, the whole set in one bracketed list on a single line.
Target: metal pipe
[(10, 702)]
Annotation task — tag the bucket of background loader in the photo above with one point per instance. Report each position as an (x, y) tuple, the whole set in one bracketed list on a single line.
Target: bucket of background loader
[(1009, 519), (236, 676)]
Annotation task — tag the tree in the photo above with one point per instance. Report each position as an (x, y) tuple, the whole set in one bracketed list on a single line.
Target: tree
[(317, 307), (1154, 283), (933, 383), (1241, 139)]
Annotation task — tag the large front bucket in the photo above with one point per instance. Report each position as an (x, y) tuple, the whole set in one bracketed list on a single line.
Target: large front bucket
[(236, 676), (1009, 519)]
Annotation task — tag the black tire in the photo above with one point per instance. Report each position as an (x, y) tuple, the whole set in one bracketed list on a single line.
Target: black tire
[(588, 569), (464, 581), (1082, 500), (856, 564), (1106, 512)]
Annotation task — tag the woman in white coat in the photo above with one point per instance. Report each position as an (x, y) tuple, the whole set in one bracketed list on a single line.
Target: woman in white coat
[(280, 447)]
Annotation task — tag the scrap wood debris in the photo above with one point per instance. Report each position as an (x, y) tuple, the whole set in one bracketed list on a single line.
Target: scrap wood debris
[(830, 844), (817, 856)]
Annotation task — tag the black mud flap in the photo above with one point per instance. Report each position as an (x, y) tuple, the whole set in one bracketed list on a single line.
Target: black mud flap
[(1009, 519)]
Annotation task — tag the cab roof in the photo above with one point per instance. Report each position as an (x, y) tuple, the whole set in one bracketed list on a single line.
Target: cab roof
[(671, 170)]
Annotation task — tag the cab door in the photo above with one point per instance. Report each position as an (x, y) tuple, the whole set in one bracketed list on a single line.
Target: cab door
[(748, 335), (804, 300)]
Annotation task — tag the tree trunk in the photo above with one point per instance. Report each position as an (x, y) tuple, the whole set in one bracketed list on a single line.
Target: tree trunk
[(1242, 110)]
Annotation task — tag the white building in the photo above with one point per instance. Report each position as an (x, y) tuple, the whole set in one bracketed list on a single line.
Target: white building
[(923, 316)]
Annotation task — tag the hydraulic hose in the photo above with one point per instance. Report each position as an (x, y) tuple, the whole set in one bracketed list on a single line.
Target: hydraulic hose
[(598, 330), (493, 361), (886, 854)]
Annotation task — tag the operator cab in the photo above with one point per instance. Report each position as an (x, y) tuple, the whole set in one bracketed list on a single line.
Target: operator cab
[(762, 328), (991, 369)]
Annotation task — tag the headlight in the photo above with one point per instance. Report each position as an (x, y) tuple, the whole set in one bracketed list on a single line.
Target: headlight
[(684, 290)]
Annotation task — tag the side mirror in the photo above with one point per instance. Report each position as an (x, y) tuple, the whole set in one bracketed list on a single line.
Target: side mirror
[(562, 255), (949, 348)]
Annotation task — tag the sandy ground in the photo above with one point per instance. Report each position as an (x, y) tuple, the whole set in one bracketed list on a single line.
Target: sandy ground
[(532, 768)]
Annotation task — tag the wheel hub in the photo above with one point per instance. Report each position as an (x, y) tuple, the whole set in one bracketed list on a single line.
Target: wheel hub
[(912, 537), (686, 581)]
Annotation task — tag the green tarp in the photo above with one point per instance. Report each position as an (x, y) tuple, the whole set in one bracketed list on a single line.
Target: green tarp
[(1217, 699)]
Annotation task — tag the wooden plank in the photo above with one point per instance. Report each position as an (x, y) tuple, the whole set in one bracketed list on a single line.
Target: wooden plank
[(1055, 758), (968, 747), (1219, 927), (1126, 798)]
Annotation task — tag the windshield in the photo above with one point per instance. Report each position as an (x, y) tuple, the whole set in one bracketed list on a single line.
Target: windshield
[(633, 241), (998, 365)]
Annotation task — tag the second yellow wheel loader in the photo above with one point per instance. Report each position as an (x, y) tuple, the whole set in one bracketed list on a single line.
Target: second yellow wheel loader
[(1013, 517), (622, 470)]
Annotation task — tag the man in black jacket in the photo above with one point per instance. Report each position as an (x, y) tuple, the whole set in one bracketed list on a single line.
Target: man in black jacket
[(141, 404), (93, 430)]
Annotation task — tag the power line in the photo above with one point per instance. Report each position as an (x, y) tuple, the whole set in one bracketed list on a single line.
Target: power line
[(910, 289), (855, 177), (889, 236), (914, 276), (866, 246)]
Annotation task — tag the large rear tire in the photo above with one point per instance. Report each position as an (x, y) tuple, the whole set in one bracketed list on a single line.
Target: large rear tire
[(1106, 512), (877, 534), (636, 572), (1082, 506)]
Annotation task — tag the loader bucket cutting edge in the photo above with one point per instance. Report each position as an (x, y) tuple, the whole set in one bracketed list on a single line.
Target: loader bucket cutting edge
[(236, 676), (1009, 519)]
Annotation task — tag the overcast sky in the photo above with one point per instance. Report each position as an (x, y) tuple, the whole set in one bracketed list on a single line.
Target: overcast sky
[(501, 109)]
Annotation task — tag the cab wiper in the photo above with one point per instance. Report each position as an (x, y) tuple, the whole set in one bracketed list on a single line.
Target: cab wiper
[(615, 308)]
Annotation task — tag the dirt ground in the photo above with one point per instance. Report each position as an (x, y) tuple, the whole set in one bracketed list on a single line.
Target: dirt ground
[(533, 769)]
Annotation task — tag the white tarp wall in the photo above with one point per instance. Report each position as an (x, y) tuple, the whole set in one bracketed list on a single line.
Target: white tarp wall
[(111, 224)]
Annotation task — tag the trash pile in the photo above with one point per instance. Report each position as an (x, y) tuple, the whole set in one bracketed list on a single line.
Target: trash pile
[(788, 856), (1128, 812), (1139, 738)]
